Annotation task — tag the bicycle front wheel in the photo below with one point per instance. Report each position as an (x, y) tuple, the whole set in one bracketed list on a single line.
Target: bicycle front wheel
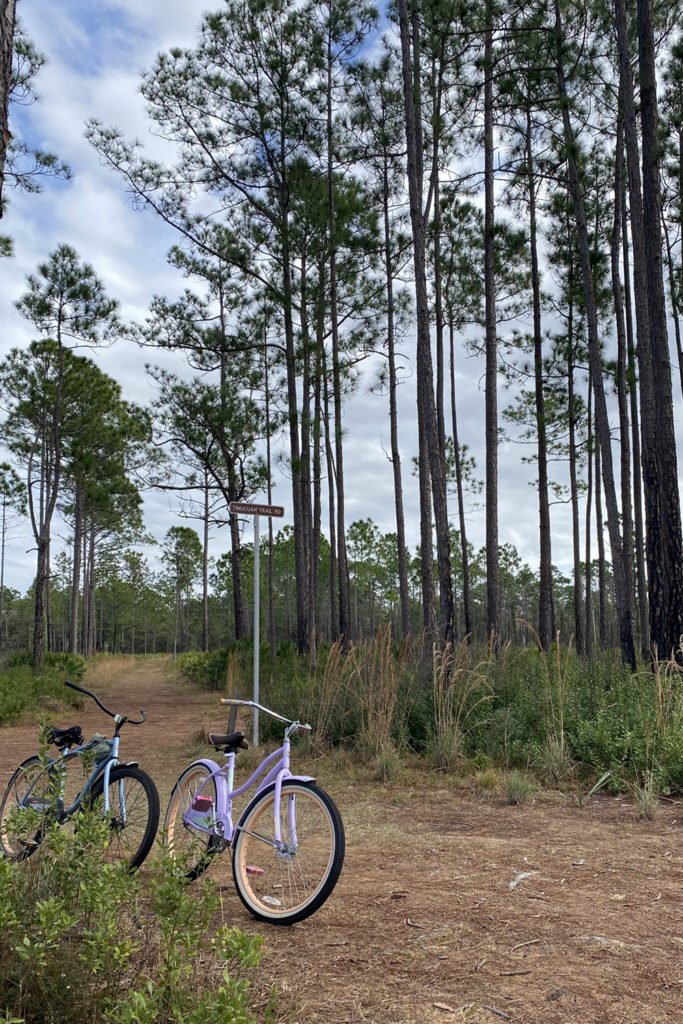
[(26, 809), (133, 814), (192, 847), (287, 881)]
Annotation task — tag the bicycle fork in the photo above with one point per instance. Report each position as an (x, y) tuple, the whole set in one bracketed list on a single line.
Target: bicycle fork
[(111, 763)]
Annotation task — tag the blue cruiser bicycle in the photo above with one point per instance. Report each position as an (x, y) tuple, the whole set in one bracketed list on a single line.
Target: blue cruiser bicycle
[(126, 796)]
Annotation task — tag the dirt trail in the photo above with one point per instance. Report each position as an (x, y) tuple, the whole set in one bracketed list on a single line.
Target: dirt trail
[(448, 908), (176, 713)]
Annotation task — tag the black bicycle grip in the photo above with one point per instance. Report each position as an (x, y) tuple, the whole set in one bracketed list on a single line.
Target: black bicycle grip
[(138, 721), (75, 686)]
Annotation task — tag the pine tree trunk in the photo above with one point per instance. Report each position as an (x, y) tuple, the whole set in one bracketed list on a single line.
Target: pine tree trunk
[(590, 441), (393, 412), (415, 185), (269, 472), (579, 632), (205, 566), (675, 312), (306, 495), (91, 640), (39, 604), (462, 524), (666, 570), (7, 26), (318, 385), (664, 545), (600, 540), (545, 602), (595, 361), (342, 564), (429, 450), (641, 574), (76, 572), (491, 373), (236, 568), (622, 368), (329, 456), (300, 561)]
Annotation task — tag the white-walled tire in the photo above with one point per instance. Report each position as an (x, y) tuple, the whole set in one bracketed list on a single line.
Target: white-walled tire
[(287, 884)]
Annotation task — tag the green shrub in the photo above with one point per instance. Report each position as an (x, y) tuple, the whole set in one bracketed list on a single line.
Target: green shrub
[(85, 941), (386, 764), (518, 787), (22, 689)]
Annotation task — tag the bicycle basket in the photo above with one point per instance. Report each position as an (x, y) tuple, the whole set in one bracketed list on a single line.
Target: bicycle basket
[(99, 747)]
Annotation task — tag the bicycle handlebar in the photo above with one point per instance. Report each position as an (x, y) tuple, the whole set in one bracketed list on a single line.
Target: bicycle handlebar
[(112, 714), (234, 702)]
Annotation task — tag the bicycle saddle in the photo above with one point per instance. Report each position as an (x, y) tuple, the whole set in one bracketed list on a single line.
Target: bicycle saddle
[(70, 737), (228, 740)]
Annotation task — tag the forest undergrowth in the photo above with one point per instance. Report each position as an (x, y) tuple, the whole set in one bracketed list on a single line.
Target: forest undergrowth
[(562, 719)]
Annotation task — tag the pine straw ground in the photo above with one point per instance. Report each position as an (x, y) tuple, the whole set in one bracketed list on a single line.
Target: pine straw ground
[(450, 906)]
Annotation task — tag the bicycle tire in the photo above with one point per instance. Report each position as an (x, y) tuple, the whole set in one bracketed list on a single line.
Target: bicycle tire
[(288, 885), (139, 795), (196, 848), (16, 847)]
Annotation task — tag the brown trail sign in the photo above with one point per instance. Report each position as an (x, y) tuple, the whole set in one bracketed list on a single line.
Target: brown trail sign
[(247, 509)]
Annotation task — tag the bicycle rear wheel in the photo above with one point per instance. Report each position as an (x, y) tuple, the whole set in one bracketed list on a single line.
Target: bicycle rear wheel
[(193, 847), (287, 882), (133, 814), (27, 807)]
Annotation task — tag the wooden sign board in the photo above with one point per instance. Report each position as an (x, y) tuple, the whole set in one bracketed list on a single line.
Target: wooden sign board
[(247, 509)]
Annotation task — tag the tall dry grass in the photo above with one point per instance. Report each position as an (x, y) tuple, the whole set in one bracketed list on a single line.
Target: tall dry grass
[(324, 689), (553, 758), (459, 687), (374, 671)]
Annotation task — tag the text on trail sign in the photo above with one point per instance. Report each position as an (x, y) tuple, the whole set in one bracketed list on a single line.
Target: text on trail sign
[(256, 510)]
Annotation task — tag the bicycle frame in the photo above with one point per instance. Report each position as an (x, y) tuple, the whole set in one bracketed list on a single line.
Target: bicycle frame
[(274, 768), (104, 768)]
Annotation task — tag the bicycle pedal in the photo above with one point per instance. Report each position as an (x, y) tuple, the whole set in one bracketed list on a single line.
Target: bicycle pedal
[(202, 803), (252, 870)]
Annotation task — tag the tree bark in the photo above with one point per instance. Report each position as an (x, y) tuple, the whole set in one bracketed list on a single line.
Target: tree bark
[(639, 530), (666, 587), (491, 344), (462, 524), (601, 418), (393, 409), (579, 632), (7, 27), (76, 571), (545, 602), (622, 367)]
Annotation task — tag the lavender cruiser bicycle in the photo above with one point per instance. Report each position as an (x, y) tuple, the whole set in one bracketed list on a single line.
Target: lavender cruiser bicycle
[(288, 844)]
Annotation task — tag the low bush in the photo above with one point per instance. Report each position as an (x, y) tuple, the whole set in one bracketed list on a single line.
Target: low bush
[(85, 941), (23, 689)]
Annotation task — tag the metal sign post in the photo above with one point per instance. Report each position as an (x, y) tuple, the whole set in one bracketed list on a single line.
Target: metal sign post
[(257, 628), (247, 508)]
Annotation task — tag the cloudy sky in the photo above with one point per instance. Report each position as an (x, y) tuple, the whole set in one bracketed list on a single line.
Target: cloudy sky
[(96, 53)]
